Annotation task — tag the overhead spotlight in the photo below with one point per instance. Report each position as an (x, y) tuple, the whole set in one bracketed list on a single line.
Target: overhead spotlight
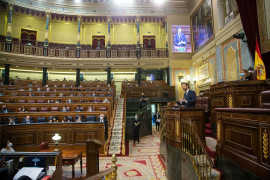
[(159, 2), (77, 1)]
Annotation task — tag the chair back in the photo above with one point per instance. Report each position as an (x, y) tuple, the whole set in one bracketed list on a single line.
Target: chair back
[(44, 146)]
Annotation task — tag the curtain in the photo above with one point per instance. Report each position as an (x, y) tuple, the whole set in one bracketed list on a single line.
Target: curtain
[(28, 36), (98, 42), (149, 42), (249, 18)]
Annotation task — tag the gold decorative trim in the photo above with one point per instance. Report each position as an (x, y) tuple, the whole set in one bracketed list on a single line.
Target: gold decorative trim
[(230, 101), (265, 144), (260, 100), (177, 127), (218, 130)]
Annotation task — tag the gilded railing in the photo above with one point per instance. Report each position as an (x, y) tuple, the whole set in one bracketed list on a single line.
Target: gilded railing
[(109, 174), (193, 146)]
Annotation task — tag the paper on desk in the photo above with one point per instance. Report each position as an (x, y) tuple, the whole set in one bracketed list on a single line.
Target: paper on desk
[(31, 172)]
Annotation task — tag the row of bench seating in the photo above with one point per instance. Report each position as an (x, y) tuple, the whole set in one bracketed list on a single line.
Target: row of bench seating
[(48, 119), (42, 117)]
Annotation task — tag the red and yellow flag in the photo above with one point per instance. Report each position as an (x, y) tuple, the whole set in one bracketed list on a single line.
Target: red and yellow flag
[(259, 65)]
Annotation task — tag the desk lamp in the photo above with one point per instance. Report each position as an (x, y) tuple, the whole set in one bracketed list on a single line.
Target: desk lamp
[(56, 139)]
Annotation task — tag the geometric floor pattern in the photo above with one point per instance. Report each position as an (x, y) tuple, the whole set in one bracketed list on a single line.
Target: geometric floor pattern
[(143, 162)]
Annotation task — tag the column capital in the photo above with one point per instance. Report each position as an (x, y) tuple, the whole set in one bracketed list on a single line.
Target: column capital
[(48, 13), (109, 18), (138, 18), (79, 17), (10, 6)]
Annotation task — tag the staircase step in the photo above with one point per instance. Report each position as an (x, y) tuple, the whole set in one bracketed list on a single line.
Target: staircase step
[(207, 125), (211, 143), (201, 161), (208, 132), (211, 152)]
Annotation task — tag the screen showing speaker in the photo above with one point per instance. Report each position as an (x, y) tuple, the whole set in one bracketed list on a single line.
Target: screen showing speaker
[(181, 39)]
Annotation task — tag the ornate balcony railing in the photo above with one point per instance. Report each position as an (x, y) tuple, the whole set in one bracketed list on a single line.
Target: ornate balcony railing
[(18, 48)]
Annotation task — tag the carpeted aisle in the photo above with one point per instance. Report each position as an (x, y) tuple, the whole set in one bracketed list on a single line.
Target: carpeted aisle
[(143, 162)]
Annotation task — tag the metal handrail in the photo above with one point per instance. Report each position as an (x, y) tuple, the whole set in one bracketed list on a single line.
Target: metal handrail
[(193, 146)]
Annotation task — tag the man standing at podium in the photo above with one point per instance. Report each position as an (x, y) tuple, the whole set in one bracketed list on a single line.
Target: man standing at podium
[(189, 97)]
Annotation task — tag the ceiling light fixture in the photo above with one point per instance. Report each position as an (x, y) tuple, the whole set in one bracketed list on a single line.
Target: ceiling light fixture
[(159, 2)]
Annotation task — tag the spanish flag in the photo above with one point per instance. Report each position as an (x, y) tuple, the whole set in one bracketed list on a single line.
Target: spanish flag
[(259, 65)]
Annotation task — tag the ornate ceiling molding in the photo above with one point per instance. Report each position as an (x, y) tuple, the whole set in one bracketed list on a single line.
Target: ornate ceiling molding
[(98, 8)]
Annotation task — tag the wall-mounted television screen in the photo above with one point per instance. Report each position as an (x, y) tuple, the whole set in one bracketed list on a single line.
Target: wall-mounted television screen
[(181, 39)]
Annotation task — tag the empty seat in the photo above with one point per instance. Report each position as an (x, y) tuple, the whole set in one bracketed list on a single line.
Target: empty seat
[(91, 118), (21, 100), (41, 119), (102, 95), (31, 101), (23, 94), (205, 104), (54, 109), (44, 146), (33, 109), (53, 95), (103, 108), (44, 109), (198, 102), (70, 118), (40, 101)]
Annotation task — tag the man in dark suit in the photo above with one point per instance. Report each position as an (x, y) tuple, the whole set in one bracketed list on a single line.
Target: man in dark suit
[(180, 38), (4, 109), (136, 128), (64, 109), (189, 97)]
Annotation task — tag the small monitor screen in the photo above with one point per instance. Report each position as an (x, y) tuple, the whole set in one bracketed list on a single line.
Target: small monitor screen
[(181, 39)]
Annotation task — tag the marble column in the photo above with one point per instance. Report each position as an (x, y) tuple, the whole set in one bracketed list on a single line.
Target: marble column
[(46, 42), (168, 76), (166, 35), (139, 76), (109, 75), (138, 38), (9, 28), (109, 38), (78, 77), (44, 76), (6, 79), (221, 18), (78, 38)]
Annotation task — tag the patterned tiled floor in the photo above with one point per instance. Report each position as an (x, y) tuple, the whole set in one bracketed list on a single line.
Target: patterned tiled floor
[(143, 162)]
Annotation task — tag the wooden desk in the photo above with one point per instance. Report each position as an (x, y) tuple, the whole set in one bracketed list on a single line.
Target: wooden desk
[(28, 137), (173, 119), (243, 138), (70, 157)]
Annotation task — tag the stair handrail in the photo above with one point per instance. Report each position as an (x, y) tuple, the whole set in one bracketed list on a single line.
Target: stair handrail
[(193, 146), (108, 174)]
